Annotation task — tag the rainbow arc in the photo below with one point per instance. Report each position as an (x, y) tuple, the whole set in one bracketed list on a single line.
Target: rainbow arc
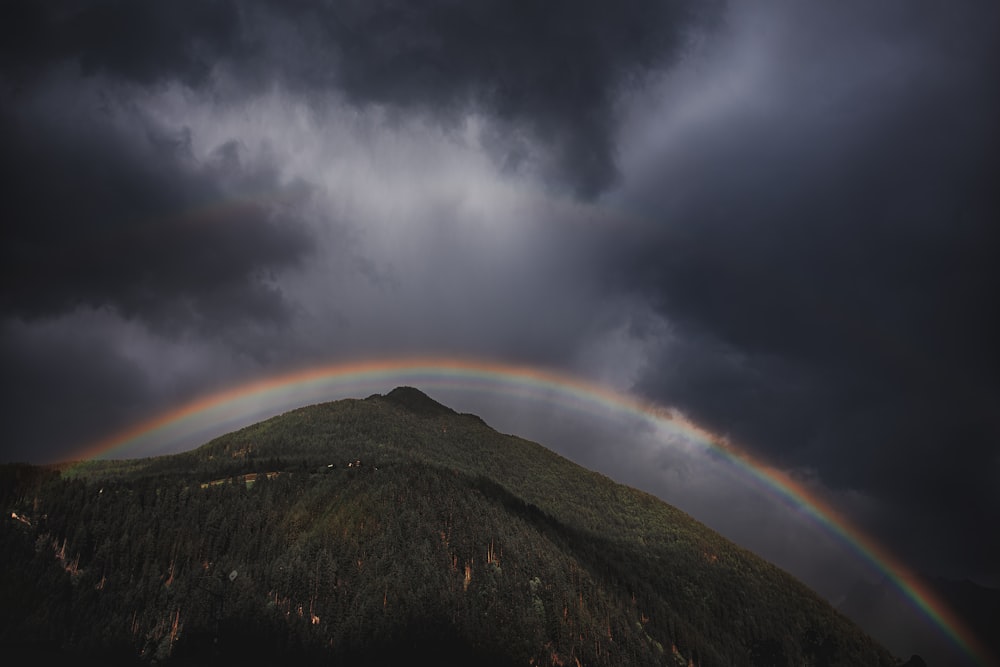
[(235, 406)]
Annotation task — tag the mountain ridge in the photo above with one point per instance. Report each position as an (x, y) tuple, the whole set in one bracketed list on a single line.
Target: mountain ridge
[(391, 519)]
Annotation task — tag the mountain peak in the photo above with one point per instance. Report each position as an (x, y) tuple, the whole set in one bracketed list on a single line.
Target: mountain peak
[(418, 402)]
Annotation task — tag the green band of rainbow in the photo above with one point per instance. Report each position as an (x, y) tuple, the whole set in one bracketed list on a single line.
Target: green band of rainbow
[(234, 406)]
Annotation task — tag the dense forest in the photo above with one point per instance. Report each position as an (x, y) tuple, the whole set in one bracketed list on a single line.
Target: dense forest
[(382, 531)]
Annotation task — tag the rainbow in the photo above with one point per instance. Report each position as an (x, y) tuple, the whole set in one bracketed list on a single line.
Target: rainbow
[(234, 407)]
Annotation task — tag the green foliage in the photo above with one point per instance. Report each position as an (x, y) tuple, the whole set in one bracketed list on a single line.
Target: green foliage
[(394, 526)]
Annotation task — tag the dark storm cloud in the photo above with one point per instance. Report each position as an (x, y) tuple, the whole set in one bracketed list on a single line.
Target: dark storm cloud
[(104, 207), (826, 251), (140, 42), (549, 72), (553, 67)]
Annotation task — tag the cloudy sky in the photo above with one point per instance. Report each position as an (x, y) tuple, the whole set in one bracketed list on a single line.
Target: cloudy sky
[(776, 217)]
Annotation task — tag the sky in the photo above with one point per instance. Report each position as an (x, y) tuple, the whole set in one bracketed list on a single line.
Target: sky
[(778, 218)]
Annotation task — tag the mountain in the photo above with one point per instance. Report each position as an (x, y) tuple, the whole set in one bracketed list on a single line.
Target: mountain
[(390, 530)]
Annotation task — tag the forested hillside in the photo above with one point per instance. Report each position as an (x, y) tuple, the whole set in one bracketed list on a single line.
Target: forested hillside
[(384, 530)]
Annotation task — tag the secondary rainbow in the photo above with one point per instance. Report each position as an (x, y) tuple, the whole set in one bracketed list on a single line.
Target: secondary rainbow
[(233, 407)]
